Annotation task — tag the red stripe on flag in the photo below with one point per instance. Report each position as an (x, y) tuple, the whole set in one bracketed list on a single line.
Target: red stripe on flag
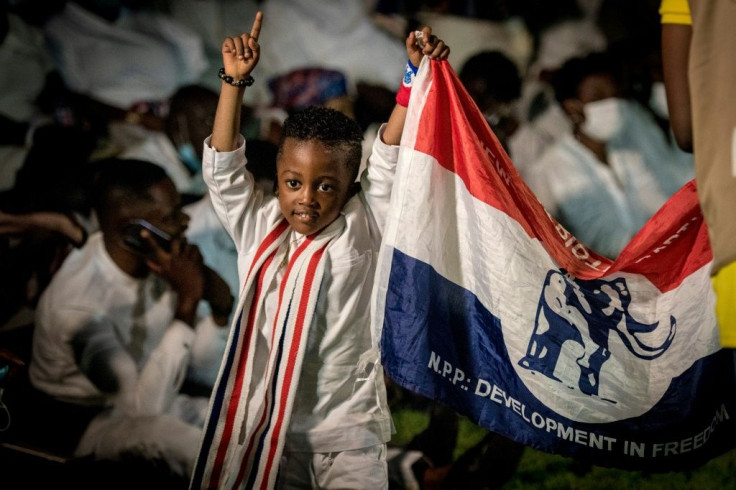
[(672, 245)]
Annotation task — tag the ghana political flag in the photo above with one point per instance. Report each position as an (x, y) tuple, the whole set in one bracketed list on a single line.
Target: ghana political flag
[(487, 304)]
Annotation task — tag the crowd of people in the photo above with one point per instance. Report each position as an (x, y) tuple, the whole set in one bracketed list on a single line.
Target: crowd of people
[(132, 274)]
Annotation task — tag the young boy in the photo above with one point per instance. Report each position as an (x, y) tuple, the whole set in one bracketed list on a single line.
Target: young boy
[(307, 258)]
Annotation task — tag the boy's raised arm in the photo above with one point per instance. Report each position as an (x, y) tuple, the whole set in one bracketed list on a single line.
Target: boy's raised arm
[(416, 49), (239, 56)]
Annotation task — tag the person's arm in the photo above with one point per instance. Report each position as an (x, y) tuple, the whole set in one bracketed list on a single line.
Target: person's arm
[(431, 46), (217, 294), (239, 56), (377, 180), (676, 34), (675, 55), (239, 206), (19, 224)]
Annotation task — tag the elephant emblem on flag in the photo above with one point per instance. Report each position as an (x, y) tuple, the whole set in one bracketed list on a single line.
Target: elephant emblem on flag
[(588, 313)]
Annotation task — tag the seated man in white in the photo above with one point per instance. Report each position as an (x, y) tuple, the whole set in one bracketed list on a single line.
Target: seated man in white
[(115, 327)]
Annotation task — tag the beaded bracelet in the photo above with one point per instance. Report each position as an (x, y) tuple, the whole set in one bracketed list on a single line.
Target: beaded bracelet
[(235, 83)]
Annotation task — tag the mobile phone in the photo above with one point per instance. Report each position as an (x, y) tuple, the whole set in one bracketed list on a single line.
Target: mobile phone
[(133, 239)]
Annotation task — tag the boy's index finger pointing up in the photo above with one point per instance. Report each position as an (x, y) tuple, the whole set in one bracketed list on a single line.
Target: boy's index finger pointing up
[(256, 29)]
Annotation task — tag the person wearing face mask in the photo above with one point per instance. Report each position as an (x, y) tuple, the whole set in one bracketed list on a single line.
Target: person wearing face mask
[(596, 181), (177, 146)]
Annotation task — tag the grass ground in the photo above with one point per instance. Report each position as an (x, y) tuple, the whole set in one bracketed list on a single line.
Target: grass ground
[(540, 470)]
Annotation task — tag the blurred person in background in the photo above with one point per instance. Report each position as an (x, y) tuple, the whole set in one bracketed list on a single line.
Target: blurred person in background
[(493, 81), (114, 329), (594, 180)]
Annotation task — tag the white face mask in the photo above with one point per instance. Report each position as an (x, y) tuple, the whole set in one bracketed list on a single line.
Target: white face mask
[(604, 119), (658, 100)]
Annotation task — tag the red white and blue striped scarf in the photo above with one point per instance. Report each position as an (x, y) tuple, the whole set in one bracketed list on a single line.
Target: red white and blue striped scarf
[(241, 445)]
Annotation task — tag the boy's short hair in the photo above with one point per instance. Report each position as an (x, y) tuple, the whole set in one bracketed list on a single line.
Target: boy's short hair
[(120, 181), (330, 127)]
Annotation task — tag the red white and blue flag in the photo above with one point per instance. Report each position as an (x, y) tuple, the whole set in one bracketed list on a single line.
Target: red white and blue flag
[(486, 303)]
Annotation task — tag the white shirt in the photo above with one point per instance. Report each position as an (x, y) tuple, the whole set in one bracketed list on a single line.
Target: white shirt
[(341, 400), (25, 63)]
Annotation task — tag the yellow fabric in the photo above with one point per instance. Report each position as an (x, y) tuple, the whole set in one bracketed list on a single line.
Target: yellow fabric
[(675, 12), (724, 285)]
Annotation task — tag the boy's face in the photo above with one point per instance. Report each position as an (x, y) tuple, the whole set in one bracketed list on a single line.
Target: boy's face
[(313, 185)]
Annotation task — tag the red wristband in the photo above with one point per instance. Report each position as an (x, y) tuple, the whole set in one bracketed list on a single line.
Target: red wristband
[(402, 96)]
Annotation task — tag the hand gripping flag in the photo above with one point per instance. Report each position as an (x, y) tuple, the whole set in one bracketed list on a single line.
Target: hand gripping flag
[(487, 304)]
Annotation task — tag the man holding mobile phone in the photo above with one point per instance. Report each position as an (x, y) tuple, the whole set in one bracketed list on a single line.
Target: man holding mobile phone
[(115, 328)]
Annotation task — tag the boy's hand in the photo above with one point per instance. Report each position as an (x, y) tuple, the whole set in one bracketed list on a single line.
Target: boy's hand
[(425, 44), (240, 54)]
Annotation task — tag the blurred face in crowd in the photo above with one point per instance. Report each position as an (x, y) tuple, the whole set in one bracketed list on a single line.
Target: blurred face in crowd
[(597, 87), (165, 210)]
